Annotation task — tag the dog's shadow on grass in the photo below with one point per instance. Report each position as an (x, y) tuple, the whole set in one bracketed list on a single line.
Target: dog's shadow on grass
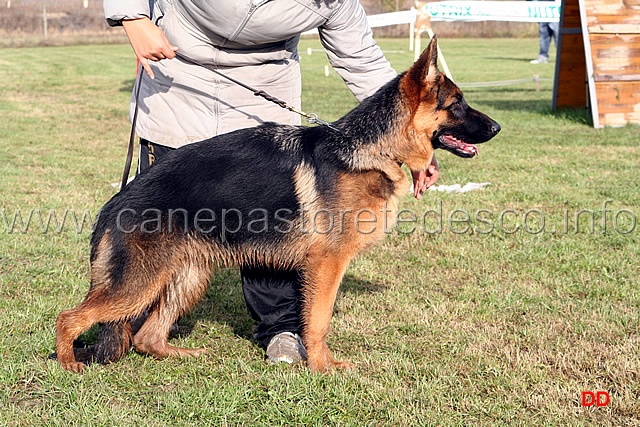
[(354, 285)]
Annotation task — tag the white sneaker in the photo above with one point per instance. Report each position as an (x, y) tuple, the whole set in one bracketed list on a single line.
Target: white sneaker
[(286, 347), (540, 60)]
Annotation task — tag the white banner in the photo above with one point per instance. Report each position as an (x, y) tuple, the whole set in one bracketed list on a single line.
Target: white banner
[(513, 11), (474, 11)]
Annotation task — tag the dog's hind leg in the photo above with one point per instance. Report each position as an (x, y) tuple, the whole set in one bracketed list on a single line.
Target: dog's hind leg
[(187, 288), (321, 281), (111, 299), (99, 306)]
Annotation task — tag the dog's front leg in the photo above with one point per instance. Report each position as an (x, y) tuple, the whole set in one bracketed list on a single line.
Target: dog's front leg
[(322, 279)]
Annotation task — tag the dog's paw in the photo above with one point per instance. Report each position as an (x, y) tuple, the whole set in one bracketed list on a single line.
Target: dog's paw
[(327, 366), (342, 365), (193, 352), (76, 367)]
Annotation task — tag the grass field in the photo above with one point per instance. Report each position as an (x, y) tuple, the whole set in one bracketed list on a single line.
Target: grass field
[(500, 308)]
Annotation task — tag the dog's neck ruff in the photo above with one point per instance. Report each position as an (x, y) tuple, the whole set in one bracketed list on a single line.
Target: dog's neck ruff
[(370, 132)]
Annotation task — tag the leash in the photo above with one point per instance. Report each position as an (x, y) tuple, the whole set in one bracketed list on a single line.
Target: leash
[(132, 135), (312, 118)]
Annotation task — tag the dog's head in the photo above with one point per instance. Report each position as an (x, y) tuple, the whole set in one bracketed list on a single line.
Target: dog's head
[(441, 116)]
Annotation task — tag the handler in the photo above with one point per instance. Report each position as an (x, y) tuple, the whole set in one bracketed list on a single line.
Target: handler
[(255, 42)]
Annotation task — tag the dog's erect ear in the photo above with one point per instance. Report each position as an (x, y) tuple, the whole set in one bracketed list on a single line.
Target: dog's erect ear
[(431, 57), (426, 67)]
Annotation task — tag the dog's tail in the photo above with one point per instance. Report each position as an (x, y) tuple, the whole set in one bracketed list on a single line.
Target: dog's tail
[(115, 339)]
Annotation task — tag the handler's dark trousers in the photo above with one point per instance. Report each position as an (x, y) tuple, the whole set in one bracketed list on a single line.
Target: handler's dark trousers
[(272, 297)]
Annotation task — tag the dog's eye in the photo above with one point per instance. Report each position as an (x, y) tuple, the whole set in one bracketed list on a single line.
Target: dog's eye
[(458, 105)]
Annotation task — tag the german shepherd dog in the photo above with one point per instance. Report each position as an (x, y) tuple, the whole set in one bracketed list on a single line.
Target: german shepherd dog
[(292, 198)]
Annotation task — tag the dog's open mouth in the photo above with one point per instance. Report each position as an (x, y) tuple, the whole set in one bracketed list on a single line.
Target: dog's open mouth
[(457, 146)]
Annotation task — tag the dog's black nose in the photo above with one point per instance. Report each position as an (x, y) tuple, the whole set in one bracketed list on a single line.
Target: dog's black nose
[(495, 128)]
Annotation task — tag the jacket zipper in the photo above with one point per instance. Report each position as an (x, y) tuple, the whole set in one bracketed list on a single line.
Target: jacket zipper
[(254, 5)]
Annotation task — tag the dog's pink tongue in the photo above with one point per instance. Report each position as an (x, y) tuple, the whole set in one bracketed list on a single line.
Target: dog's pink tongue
[(461, 146)]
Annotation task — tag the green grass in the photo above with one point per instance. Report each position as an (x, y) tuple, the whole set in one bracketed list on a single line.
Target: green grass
[(482, 323)]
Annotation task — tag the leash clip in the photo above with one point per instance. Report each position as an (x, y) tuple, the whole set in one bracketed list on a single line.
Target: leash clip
[(312, 118)]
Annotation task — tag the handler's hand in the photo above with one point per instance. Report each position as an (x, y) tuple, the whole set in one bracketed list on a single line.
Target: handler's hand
[(425, 179), (148, 42)]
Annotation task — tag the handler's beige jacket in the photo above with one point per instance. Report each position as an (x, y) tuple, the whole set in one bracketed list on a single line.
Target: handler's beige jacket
[(254, 41)]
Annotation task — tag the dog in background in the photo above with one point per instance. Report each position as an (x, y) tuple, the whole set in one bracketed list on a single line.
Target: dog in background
[(288, 197)]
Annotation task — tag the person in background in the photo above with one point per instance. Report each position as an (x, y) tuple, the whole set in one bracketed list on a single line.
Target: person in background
[(546, 32), (255, 42)]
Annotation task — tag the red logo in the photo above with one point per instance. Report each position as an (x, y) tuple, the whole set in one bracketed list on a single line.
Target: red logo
[(598, 398)]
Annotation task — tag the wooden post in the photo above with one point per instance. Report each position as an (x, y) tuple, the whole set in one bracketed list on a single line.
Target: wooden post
[(570, 83), (45, 28)]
